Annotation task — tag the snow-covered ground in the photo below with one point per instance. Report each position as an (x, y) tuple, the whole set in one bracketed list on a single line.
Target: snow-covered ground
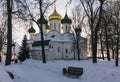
[(36, 71)]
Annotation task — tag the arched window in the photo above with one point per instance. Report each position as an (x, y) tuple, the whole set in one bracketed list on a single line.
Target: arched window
[(50, 26), (54, 26), (59, 25), (65, 27), (58, 49), (66, 50), (50, 46)]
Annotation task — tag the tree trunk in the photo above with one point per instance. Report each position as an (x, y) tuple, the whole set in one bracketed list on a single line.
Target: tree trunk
[(1, 44), (94, 58), (95, 38), (95, 47), (78, 51), (102, 47), (9, 34), (42, 37), (0, 58), (112, 48), (113, 54), (117, 53), (107, 45), (117, 48)]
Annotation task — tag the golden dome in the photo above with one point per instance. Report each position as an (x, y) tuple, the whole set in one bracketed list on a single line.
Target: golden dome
[(55, 16)]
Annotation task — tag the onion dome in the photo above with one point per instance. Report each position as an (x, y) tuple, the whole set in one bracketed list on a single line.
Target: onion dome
[(31, 30), (66, 19), (42, 20), (55, 16)]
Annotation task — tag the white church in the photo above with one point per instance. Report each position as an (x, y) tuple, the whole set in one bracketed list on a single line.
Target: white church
[(58, 40)]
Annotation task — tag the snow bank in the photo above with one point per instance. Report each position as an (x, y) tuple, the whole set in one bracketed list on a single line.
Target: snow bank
[(17, 72), (4, 77), (103, 71), (36, 71)]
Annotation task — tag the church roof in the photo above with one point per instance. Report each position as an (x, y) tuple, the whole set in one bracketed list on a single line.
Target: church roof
[(39, 43), (31, 30), (55, 16), (42, 20), (66, 19)]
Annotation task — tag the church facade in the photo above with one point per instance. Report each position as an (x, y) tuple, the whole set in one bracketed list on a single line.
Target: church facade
[(58, 40)]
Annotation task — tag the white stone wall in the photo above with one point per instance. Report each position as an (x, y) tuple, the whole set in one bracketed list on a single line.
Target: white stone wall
[(44, 28), (62, 50), (83, 48), (56, 46), (37, 55), (68, 53)]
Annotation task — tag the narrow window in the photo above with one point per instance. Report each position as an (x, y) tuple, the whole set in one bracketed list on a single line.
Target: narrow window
[(58, 49), (66, 28), (50, 26), (66, 50), (59, 25), (49, 46), (54, 26)]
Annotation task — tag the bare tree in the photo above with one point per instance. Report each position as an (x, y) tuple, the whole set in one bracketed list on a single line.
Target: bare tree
[(42, 6), (2, 38), (94, 15), (77, 24), (111, 20), (2, 32), (9, 34), (106, 20), (116, 16), (9, 9)]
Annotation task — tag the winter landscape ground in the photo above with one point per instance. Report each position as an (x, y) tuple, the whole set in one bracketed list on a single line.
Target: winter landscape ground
[(36, 71)]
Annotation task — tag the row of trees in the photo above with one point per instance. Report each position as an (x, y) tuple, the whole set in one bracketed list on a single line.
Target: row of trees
[(110, 29), (103, 19), (2, 39)]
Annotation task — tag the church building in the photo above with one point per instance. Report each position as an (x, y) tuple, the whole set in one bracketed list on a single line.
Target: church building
[(58, 40)]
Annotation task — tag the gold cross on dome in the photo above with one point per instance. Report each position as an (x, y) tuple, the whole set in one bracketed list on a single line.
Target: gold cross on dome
[(55, 4)]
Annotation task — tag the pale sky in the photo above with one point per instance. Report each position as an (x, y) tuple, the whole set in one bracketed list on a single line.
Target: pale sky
[(60, 7)]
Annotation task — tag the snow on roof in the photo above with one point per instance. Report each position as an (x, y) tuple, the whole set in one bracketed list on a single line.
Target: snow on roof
[(39, 43), (39, 48), (82, 39), (61, 40)]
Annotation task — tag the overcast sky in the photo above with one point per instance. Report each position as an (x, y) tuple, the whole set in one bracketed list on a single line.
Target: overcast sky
[(60, 7)]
